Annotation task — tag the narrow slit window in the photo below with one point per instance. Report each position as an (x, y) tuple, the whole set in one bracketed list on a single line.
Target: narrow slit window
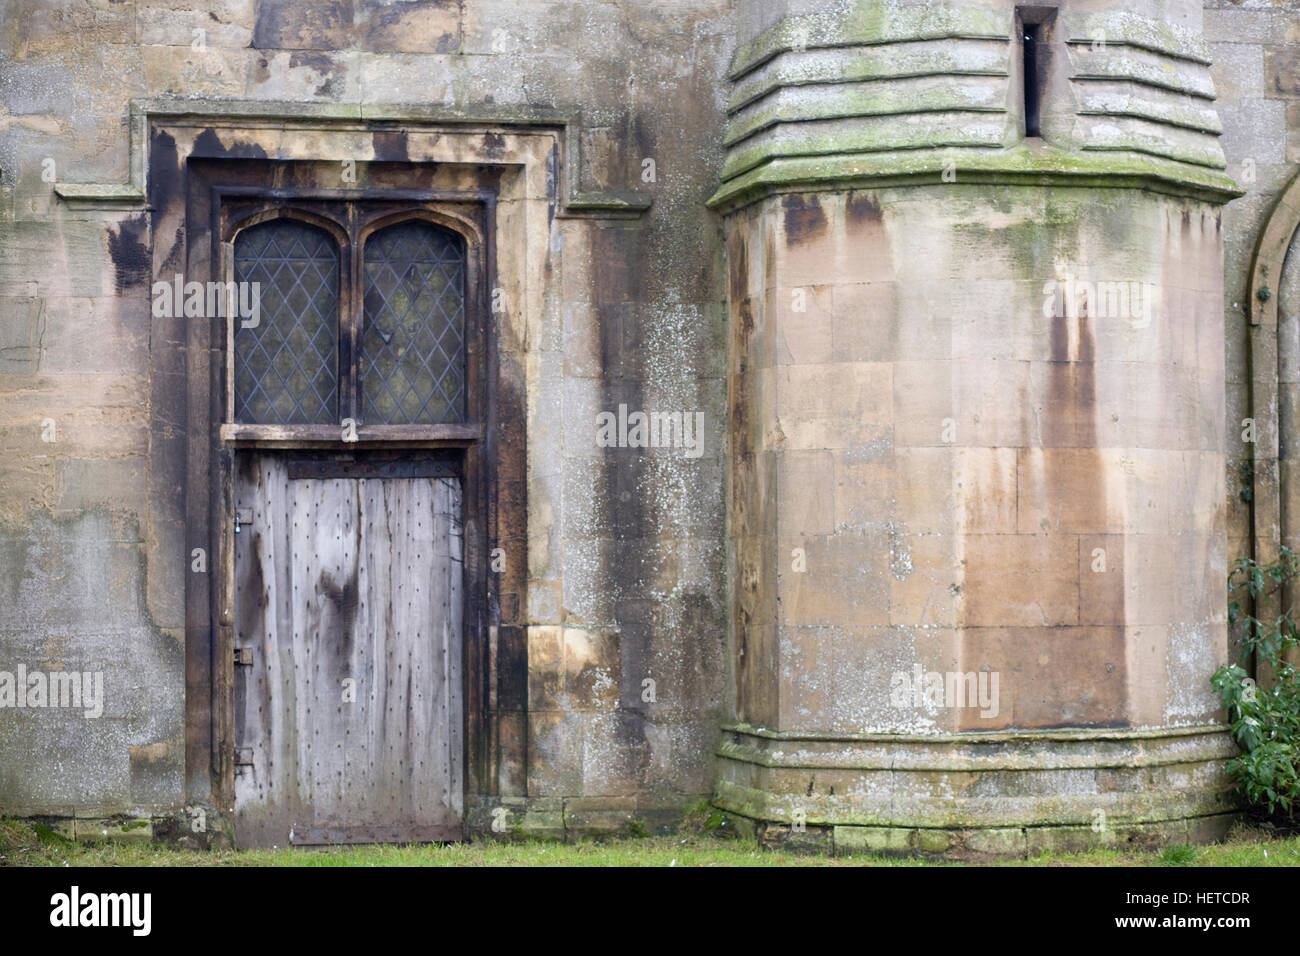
[(1031, 42)]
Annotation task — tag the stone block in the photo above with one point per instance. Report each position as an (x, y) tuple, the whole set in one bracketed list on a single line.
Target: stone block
[(986, 490), (592, 668), (1048, 676), (555, 747), (925, 587), (867, 326), (924, 410), (922, 490), (545, 668), (803, 322), (845, 582), (850, 841), (1021, 580), (1282, 73), (305, 25), (806, 488), (1000, 842), (839, 405), (410, 26), (811, 839), (927, 840)]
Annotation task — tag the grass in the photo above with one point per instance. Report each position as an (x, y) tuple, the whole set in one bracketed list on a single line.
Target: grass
[(24, 844)]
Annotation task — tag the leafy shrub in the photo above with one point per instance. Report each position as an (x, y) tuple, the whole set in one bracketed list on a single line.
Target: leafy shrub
[(1265, 721)]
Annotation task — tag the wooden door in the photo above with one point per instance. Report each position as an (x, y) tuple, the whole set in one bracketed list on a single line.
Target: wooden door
[(348, 613)]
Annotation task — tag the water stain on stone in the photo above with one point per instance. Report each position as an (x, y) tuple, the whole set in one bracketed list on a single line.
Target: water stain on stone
[(390, 146), (129, 252), (208, 144), (623, 509), (863, 208), (164, 168), (738, 263), (318, 62), (804, 218)]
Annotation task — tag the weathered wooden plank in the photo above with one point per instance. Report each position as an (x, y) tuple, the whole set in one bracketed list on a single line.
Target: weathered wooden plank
[(370, 468), (348, 579), (453, 435)]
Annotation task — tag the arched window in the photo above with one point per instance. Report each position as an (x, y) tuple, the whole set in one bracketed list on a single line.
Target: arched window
[(412, 342), (286, 366)]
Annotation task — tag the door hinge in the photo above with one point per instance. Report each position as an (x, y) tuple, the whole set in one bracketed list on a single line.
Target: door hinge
[(243, 516), (243, 756), (244, 656)]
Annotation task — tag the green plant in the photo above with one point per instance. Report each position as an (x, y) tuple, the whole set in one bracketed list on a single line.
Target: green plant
[(1181, 855), (703, 817), (1265, 721)]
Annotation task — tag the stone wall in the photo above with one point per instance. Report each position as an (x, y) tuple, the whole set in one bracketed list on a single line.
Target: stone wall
[(861, 316), (624, 550), (1255, 71), (978, 434)]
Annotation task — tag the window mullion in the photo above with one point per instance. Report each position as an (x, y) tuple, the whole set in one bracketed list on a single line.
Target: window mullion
[(350, 333)]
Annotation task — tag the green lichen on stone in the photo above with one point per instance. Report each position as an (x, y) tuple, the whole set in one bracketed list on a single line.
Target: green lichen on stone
[(1121, 27), (856, 64), (870, 22), (1015, 166), (919, 133), (1200, 120), (1211, 157), (1181, 78), (848, 102)]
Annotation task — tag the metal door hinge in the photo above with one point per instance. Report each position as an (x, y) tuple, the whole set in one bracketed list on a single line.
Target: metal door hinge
[(244, 656), (243, 516), (243, 756)]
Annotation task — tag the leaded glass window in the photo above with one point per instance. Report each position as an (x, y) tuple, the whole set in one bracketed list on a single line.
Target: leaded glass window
[(412, 345), (286, 366)]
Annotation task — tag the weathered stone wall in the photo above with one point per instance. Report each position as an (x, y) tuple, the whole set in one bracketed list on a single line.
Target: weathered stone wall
[(1256, 74), (624, 548), (977, 416), (625, 574), (964, 482)]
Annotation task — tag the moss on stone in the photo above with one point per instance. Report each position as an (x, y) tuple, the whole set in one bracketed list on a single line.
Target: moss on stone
[(870, 22), (852, 101), (1016, 166), (857, 64), (909, 131)]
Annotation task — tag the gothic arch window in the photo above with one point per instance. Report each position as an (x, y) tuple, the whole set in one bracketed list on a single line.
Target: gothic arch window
[(286, 365), (364, 316), (412, 346)]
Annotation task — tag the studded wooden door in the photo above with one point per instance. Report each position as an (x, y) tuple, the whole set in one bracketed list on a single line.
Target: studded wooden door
[(348, 613)]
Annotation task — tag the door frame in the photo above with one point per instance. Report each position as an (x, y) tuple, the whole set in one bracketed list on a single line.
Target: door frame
[(469, 213), (522, 166)]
